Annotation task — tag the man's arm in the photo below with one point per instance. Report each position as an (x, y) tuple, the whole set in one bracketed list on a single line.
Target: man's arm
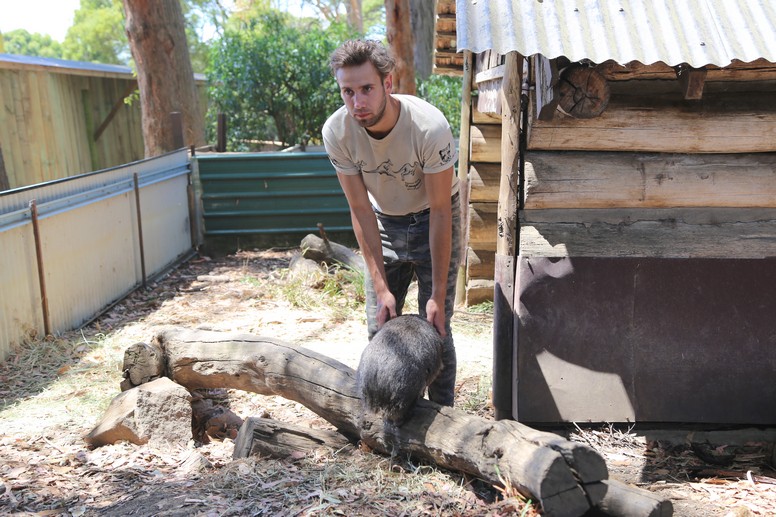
[(438, 188), (368, 237)]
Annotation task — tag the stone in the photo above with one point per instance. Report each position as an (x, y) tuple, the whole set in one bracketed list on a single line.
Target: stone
[(156, 413)]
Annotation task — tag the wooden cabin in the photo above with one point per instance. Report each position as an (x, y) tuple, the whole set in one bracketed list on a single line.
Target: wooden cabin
[(621, 172)]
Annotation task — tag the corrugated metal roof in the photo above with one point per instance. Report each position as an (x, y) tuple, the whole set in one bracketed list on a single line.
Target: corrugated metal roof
[(696, 32), (65, 64), (68, 66)]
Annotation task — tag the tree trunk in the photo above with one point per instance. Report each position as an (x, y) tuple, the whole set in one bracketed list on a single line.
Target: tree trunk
[(355, 15), (564, 476), (400, 40), (422, 19), (157, 38)]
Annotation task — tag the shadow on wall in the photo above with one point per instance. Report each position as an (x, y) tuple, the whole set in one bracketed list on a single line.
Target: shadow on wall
[(646, 340)]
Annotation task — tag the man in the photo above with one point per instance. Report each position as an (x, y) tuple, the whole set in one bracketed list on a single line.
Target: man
[(394, 157)]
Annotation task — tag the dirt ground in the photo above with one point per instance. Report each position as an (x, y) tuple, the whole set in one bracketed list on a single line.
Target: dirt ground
[(53, 391)]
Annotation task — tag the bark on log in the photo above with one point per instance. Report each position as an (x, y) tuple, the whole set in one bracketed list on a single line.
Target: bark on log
[(621, 500), (320, 250), (565, 477), (142, 363), (267, 437)]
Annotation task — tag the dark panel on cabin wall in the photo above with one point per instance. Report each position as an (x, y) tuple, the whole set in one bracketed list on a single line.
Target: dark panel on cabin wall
[(646, 339)]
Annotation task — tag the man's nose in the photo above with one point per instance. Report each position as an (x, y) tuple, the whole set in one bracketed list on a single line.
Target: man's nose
[(359, 100)]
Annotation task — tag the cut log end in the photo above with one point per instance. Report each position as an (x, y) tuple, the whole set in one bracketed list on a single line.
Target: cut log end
[(584, 92)]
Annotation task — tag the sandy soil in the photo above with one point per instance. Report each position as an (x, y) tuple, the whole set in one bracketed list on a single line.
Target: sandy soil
[(54, 391)]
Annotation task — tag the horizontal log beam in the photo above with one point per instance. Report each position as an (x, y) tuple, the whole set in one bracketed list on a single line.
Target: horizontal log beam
[(759, 70), (486, 143), (480, 118), (660, 233), (480, 264), (568, 179), (483, 218), (479, 291), (484, 179), (722, 123)]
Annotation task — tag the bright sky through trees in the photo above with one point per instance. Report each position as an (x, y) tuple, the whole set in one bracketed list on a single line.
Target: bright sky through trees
[(54, 17)]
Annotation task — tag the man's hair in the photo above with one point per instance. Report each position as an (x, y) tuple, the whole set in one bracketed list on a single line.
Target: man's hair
[(356, 52)]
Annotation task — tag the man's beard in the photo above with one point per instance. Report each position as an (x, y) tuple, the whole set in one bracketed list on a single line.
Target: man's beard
[(371, 121)]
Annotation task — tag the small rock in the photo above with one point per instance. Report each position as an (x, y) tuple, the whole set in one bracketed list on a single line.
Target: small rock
[(157, 413)]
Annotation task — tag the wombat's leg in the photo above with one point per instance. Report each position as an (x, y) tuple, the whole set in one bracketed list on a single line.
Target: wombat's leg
[(442, 389)]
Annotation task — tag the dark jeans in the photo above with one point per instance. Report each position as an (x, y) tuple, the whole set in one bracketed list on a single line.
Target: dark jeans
[(407, 254)]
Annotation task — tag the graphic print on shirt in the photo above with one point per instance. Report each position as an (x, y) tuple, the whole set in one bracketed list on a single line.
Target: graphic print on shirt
[(446, 154), (407, 173)]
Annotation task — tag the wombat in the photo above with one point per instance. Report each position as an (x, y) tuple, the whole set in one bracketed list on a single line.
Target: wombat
[(402, 359)]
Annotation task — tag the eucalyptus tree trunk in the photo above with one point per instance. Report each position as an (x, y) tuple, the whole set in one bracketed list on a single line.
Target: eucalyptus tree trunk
[(400, 40), (165, 78), (355, 15), (422, 17)]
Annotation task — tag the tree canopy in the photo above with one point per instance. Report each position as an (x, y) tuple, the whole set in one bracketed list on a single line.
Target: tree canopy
[(267, 70), (97, 34), (269, 73), (24, 43)]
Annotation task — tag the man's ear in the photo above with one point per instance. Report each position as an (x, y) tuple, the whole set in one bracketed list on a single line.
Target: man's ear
[(388, 83)]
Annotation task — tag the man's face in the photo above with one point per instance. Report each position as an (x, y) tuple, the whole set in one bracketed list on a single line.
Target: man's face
[(364, 94)]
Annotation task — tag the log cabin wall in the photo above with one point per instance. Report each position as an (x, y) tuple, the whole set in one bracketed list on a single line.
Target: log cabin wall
[(651, 156), (713, 152), (647, 247)]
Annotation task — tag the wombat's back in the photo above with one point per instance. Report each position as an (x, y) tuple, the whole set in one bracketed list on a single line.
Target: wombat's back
[(402, 359)]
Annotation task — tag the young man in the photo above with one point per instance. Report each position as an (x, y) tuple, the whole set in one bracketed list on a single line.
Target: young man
[(394, 157)]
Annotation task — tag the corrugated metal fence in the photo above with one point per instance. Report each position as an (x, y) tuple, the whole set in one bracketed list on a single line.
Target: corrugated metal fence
[(274, 198), (72, 247)]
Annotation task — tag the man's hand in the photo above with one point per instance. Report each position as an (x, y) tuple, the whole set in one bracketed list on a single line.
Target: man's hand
[(386, 308), (435, 314)]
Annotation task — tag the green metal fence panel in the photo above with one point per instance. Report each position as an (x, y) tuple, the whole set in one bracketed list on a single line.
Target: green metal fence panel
[(270, 193)]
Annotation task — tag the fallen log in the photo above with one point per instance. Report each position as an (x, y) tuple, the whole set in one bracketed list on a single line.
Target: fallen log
[(267, 437), (629, 501), (565, 477), (323, 250)]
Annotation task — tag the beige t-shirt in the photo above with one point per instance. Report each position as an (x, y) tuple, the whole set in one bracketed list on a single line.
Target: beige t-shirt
[(393, 167)]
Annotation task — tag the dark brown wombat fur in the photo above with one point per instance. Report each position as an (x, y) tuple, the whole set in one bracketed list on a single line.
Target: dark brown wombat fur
[(402, 359)]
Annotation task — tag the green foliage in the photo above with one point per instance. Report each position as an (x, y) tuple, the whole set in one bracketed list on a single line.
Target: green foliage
[(205, 20), (269, 74), (97, 34), (23, 43), (444, 92), (374, 18)]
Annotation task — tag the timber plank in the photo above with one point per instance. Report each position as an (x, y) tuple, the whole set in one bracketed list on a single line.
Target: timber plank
[(660, 233), (480, 118), (482, 225), (486, 143), (568, 179), (480, 264), (479, 291), (722, 123), (484, 180)]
